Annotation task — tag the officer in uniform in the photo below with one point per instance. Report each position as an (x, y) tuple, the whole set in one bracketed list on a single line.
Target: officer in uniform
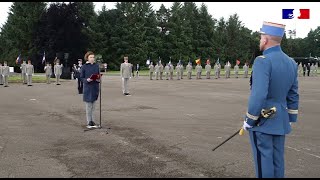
[(304, 69), (308, 69), (77, 75), (23, 72), (189, 70), (5, 73), (161, 70), (151, 69), (48, 71), (198, 68), (245, 69), (1, 78), (270, 87), (126, 74), (157, 70), (178, 71), (208, 69), (236, 70), (29, 72), (171, 70), (58, 71)]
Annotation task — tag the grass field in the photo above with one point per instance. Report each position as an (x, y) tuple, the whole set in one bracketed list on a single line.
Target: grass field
[(38, 78)]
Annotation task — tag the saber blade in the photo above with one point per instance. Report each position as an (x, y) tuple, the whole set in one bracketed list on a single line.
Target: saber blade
[(226, 140)]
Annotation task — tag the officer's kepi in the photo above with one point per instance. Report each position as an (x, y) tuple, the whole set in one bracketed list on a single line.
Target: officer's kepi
[(273, 29)]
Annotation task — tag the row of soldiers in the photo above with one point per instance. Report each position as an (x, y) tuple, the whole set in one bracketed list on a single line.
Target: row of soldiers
[(57, 71), (158, 69), (311, 70), (27, 71), (5, 72)]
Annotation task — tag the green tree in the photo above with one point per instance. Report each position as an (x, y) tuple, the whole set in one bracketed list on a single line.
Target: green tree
[(19, 32)]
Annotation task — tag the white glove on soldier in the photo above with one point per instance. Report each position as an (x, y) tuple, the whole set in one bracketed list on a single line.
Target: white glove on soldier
[(246, 126)]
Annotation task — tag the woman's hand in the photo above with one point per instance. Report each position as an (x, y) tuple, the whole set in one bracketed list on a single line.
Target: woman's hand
[(89, 80)]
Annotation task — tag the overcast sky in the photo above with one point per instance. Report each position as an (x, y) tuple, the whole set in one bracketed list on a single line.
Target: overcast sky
[(252, 14)]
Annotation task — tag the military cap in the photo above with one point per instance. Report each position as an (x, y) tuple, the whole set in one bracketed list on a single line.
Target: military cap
[(273, 29)]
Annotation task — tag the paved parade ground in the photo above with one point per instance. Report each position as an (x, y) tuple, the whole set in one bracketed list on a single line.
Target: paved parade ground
[(165, 129)]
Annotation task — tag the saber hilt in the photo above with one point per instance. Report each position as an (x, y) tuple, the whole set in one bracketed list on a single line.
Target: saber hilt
[(266, 113)]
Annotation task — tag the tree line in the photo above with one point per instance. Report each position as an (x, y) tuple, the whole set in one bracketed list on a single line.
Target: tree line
[(182, 32)]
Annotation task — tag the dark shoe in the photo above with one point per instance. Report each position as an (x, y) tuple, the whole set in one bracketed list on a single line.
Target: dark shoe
[(1, 84), (29, 85), (58, 84), (6, 86), (91, 123)]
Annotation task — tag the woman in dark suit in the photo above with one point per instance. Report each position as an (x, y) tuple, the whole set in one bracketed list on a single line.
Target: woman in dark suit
[(90, 86)]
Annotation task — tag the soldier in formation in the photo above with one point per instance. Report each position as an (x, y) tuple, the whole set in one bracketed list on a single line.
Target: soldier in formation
[(58, 71), (208, 69), (5, 73), (181, 69), (161, 70), (178, 71), (216, 71), (23, 72), (157, 71), (236, 70), (312, 70), (137, 71), (48, 72), (246, 70), (300, 69), (29, 72), (1, 78), (227, 69), (151, 69), (219, 70), (171, 68), (126, 74), (167, 71), (189, 70), (198, 69)]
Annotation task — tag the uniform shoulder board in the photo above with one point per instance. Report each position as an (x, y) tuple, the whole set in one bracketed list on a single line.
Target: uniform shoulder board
[(262, 56)]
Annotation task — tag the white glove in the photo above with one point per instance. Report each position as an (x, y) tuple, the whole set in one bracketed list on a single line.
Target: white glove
[(122, 79), (26, 74), (130, 77), (246, 126)]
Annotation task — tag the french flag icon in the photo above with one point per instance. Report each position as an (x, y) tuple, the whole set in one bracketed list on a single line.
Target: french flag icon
[(295, 13)]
